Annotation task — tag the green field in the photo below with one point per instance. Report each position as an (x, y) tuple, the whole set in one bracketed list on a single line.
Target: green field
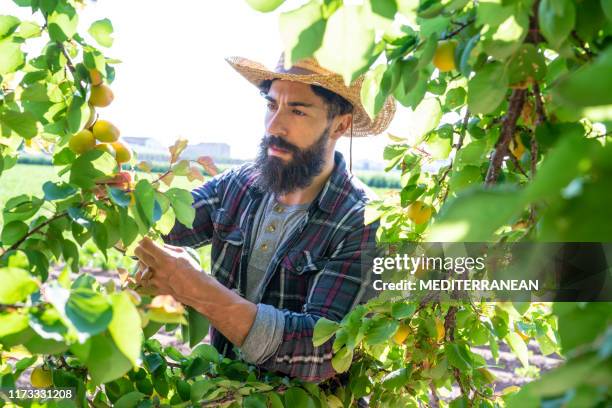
[(29, 178)]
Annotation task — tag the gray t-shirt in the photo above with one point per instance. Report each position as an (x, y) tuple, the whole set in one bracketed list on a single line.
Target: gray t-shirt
[(274, 222)]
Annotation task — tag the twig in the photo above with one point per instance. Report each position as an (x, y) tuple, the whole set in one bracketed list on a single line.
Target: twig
[(457, 147), (539, 105), (517, 100), (434, 395), (38, 228), (462, 26), (517, 164)]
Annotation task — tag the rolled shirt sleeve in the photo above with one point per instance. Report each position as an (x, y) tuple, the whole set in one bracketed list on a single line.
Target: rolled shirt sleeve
[(265, 335)]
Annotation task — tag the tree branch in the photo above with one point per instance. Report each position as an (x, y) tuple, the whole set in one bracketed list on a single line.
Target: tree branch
[(517, 100)]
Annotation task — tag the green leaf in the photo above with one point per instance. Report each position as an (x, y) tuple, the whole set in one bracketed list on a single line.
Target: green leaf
[(302, 31), (455, 98), (8, 25), (348, 43), (563, 162), (145, 200), (128, 229), (70, 252), (13, 232), (57, 191), (62, 22), (207, 352), (17, 284), (606, 6), (125, 327), (425, 118), (526, 65), (475, 214), (11, 56), (104, 360), (578, 89), (501, 41), (91, 166), (102, 31), (198, 326), (22, 123), (372, 95), (518, 347), (298, 398), (487, 89), (265, 6), (396, 379), (78, 114), (129, 400), (341, 361), (323, 331), (182, 201), (556, 19), (28, 29), (89, 312), (458, 356), (380, 330), (402, 310)]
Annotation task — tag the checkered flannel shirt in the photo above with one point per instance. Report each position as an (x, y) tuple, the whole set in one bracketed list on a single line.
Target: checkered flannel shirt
[(322, 270)]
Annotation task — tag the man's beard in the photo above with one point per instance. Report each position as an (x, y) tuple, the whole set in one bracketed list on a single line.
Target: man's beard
[(282, 177)]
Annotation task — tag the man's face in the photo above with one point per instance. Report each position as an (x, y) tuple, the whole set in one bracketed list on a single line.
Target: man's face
[(295, 146)]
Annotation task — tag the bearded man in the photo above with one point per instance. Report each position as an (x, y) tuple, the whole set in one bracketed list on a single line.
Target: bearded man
[(289, 244)]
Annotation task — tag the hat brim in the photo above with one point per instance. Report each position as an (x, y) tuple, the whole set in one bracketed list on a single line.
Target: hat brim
[(363, 125)]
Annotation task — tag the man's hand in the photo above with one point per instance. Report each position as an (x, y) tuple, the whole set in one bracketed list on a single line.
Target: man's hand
[(166, 269)]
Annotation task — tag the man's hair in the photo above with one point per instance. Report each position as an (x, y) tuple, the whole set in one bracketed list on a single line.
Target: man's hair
[(336, 104)]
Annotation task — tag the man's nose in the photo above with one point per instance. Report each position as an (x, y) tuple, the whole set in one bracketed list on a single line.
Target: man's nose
[(276, 123)]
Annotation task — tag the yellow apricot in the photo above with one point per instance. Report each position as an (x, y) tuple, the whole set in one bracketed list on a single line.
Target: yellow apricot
[(95, 77), (105, 131), (123, 153), (82, 142), (401, 334), (41, 378), (444, 57), (419, 212), (101, 95)]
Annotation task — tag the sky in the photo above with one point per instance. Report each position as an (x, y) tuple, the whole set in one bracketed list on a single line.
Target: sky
[(174, 82)]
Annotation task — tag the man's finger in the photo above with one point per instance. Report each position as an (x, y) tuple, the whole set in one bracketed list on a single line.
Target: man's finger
[(145, 257), (173, 248)]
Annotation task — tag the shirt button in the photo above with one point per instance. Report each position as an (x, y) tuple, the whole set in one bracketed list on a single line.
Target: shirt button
[(264, 247), (279, 209), (271, 228)]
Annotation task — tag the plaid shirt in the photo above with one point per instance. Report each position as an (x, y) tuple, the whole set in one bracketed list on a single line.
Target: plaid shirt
[(319, 271)]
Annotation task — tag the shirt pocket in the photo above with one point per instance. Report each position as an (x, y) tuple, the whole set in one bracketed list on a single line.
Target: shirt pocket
[(302, 262), (225, 229), (226, 249)]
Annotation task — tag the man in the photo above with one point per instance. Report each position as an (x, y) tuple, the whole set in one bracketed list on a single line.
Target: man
[(289, 244)]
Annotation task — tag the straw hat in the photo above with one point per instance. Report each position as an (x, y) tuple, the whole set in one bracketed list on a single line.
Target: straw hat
[(309, 71)]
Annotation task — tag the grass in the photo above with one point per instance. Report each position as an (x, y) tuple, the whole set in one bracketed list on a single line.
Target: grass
[(29, 178)]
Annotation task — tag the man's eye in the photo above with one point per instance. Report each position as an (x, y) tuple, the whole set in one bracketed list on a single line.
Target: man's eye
[(298, 112), (271, 106)]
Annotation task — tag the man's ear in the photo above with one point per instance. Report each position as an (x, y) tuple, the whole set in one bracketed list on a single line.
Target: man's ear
[(342, 125)]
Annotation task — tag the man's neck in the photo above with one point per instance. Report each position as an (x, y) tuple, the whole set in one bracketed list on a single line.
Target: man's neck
[(307, 194)]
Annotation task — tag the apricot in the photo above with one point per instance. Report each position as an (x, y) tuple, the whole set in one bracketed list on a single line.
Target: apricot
[(41, 378), (105, 131), (95, 77), (419, 212), (444, 57), (101, 95), (123, 153), (82, 142)]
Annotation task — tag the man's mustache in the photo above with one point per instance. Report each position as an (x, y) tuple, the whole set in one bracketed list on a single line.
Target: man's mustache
[(275, 141)]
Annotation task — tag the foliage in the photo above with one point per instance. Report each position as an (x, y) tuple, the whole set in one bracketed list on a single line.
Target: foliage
[(510, 145)]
